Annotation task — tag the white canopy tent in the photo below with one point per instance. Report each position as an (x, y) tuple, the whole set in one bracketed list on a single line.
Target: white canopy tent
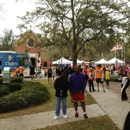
[(79, 61), (62, 61), (115, 61), (102, 61)]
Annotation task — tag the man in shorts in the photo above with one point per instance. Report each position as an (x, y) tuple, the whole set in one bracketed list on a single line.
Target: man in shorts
[(99, 74), (77, 86)]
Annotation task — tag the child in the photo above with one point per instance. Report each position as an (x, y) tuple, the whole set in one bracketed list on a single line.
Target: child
[(107, 77), (90, 80)]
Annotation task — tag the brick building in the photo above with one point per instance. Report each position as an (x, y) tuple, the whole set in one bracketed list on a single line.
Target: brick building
[(29, 43)]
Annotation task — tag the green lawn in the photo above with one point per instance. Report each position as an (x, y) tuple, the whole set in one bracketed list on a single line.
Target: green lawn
[(99, 123)]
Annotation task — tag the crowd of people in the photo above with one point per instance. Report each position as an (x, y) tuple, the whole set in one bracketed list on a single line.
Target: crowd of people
[(73, 80)]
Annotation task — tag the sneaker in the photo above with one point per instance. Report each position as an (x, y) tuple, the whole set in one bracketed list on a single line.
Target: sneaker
[(85, 116), (104, 91), (65, 116), (56, 117), (76, 114), (98, 90)]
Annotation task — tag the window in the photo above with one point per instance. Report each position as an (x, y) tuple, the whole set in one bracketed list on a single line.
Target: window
[(30, 43), (24, 61)]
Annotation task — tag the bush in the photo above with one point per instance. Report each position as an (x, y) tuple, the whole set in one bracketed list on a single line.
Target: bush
[(4, 90), (11, 104), (36, 97), (115, 79), (32, 93), (1, 80), (16, 80), (14, 87)]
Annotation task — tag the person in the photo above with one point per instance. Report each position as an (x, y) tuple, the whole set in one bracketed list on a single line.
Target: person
[(125, 83), (86, 71), (57, 71), (17, 71), (61, 87), (39, 72), (77, 87), (32, 71), (107, 77), (49, 73), (127, 122), (90, 80), (99, 74), (14, 72), (21, 70)]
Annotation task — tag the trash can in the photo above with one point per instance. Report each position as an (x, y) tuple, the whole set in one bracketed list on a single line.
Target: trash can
[(6, 75), (6, 72)]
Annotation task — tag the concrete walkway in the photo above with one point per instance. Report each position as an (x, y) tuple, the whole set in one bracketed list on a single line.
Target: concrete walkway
[(112, 105), (107, 103)]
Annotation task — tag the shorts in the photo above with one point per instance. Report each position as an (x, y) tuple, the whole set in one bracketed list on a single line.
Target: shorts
[(21, 74), (77, 97), (49, 76), (99, 81)]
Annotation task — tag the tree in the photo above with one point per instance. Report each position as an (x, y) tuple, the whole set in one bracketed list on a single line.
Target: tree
[(76, 23), (7, 40)]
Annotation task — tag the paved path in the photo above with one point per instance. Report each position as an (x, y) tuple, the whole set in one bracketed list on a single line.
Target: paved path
[(112, 105), (107, 103)]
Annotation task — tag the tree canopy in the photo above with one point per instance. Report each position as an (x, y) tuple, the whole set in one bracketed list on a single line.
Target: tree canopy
[(78, 24)]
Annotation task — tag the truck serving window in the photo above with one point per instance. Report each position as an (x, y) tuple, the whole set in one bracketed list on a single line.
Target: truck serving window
[(23, 61)]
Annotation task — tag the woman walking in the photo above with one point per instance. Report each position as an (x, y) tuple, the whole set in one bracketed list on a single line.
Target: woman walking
[(125, 83)]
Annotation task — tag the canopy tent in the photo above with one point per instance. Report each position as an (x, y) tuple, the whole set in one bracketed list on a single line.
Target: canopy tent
[(79, 61), (115, 61), (62, 61), (102, 61)]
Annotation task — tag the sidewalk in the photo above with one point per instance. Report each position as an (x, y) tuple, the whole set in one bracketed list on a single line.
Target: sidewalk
[(108, 103), (112, 105)]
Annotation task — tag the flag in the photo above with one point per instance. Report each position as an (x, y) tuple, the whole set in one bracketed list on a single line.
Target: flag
[(118, 46)]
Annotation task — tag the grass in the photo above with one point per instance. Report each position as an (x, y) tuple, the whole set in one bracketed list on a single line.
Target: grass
[(98, 123), (47, 106)]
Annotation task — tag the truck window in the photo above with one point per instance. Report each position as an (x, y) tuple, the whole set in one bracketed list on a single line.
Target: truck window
[(23, 61)]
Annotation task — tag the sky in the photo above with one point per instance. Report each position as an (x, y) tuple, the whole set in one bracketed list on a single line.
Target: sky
[(11, 9)]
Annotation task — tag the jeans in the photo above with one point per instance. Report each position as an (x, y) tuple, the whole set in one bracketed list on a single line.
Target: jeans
[(58, 102)]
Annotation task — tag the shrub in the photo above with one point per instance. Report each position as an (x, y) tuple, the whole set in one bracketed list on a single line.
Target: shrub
[(11, 104), (4, 90), (115, 78), (1, 80), (14, 87), (16, 80), (32, 93), (36, 97)]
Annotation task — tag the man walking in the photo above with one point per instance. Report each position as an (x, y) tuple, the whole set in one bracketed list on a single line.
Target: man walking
[(99, 74), (77, 86)]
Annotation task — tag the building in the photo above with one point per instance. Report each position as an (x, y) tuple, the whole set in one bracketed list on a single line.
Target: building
[(30, 43)]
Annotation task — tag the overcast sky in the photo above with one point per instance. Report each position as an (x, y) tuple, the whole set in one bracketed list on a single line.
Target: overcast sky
[(11, 11)]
